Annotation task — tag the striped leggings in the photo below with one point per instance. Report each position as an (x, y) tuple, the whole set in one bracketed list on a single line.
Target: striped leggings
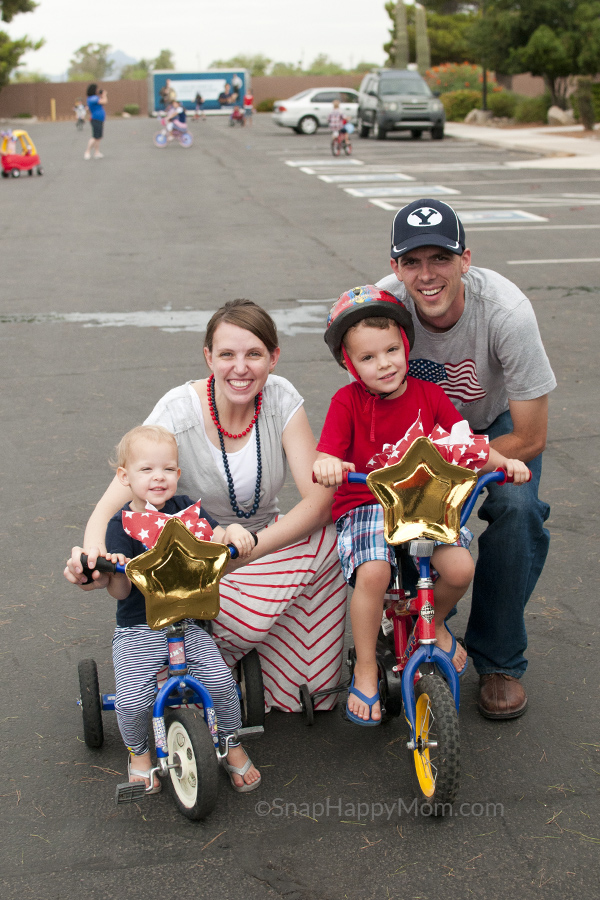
[(139, 653)]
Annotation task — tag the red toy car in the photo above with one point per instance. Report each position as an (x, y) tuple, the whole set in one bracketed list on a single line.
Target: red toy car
[(15, 162)]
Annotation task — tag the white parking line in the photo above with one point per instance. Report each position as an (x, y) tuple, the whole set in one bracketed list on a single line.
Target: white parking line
[(409, 190), (543, 262), (324, 161), (353, 177)]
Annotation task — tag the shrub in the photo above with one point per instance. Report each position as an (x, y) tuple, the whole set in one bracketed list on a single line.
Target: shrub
[(24, 116), (595, 100), (132, 108), (458, 77), (459, 103), (266, 105), (533, 109), (503, 103)]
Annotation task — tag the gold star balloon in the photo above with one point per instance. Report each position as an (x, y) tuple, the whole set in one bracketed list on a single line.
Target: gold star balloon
[(179, 576), (422, 495)]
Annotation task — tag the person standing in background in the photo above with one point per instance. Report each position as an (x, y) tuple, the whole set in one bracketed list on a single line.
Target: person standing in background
[(96, 101)]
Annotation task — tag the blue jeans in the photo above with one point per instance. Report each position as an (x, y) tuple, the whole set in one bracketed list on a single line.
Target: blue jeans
[(512, 553)]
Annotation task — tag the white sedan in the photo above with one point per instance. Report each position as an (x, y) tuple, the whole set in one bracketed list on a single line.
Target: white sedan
[(306, 111)]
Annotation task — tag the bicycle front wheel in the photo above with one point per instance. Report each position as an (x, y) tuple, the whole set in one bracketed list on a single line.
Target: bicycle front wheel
[(160, 139), (436, 756), (335, 147)]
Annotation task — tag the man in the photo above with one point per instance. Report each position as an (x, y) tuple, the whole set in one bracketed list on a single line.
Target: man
[(476, 335)]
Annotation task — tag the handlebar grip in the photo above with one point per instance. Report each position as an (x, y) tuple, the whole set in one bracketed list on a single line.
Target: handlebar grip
[(508, 479), (349, 478), (102, 565)]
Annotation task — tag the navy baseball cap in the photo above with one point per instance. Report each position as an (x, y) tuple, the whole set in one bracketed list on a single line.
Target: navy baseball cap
[(427, 222)]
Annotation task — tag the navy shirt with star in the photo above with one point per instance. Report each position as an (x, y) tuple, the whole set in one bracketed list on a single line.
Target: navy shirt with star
[(132, 610)]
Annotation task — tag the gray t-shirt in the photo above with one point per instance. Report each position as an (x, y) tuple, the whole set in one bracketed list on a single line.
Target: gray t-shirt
[(492, 354), (200, 477)]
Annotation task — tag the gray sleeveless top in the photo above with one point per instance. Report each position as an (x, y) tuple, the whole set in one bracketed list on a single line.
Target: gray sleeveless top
[(200, 477)]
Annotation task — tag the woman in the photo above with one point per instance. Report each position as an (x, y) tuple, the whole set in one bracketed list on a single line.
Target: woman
[(96, 101), (236, 432)]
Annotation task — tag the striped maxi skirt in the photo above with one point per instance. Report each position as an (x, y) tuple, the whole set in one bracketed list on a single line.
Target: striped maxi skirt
[(291, 606)]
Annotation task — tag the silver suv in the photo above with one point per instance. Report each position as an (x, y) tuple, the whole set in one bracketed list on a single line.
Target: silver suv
[(398, 100)]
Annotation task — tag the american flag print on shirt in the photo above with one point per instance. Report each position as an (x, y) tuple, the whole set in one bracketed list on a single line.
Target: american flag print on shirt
[(147, 526), (458, 380)]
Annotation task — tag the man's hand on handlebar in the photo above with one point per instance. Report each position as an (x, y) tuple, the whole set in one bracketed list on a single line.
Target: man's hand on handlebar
[(329, 470)]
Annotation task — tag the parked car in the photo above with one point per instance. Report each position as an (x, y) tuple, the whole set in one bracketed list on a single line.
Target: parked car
[(306, 111), (398, 100)]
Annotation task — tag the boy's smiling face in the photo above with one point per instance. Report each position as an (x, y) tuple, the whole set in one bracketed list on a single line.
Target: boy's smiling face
[(378, 356), (151, 472)]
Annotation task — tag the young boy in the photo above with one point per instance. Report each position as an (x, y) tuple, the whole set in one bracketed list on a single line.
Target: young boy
[(147, 463), (370, 333)]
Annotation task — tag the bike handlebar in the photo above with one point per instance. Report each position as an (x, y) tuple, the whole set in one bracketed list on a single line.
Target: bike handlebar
[(499, 476), (105, 565)]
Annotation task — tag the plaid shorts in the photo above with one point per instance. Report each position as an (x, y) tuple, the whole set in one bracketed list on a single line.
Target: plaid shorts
[(360, 539)]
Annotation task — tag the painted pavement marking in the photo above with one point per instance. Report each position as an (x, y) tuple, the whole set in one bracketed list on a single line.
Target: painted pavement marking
[(324, 161), (409, 190)]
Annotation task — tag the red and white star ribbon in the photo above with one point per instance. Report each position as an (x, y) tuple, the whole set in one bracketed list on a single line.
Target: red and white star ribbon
[(460, 447), (147, 526)]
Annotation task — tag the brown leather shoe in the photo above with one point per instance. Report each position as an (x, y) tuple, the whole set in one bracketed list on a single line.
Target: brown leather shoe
[(501, 696)]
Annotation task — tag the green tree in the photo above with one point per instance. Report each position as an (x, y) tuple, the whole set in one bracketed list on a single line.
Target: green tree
[(137, 71), (285, 68), (12, 51), (256, 65), (400, 36), (25, 77), (552, 38), (364, 67), (90, 63), (448, 32), (164, 60), (322, 65)]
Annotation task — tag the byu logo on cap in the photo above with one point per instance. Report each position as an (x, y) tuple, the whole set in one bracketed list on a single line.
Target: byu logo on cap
[(424, 217)]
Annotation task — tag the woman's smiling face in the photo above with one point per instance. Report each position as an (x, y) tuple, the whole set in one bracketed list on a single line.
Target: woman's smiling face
[(240, 362)]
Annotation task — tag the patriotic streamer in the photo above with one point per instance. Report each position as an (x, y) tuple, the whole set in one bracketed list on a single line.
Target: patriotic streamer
[(460, 447), (147, 526)]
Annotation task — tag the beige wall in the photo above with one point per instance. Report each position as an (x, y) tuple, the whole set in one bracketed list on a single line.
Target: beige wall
[(35, 98)]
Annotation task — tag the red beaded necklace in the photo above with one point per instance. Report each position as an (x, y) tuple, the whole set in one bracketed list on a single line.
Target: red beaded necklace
[(215, 416)]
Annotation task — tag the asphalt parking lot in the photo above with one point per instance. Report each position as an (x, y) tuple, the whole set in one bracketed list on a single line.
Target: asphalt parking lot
[(110, 270)]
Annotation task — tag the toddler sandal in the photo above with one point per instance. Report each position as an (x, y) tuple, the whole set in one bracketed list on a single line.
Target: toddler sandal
[(147, 775), (237, 770)]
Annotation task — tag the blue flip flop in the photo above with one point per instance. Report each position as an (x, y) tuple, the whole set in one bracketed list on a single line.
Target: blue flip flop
[(450, 653), (368, 700)]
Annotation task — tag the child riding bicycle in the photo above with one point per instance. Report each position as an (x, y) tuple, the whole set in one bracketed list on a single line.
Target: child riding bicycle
[(337, 122), (370, 333), (147, 463)]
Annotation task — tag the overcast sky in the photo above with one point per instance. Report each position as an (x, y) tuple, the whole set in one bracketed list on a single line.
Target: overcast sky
[(200, 31)]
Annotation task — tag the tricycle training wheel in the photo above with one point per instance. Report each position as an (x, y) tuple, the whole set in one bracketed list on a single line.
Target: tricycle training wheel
[(91, 704), (307, 704), (437, 769), (194, 781), (251, 688)]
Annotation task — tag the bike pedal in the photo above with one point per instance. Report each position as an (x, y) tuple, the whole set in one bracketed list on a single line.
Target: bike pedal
[(251, 731), (130, 792)]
